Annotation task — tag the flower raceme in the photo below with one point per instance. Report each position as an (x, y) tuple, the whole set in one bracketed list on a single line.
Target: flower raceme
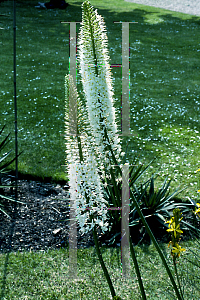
[(85, 185), (88, 197), (97, 83), (174, 228), (197, 210), (177, 250), (84, 180), (86, 154)]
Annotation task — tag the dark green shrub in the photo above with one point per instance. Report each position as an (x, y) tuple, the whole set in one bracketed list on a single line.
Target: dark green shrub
[(157, 206)]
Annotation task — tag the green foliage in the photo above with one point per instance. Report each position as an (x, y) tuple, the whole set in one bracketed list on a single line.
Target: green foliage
[(193, 220), (156, 205), (113, 194), (162, 95), (5, 155), (4, 163)]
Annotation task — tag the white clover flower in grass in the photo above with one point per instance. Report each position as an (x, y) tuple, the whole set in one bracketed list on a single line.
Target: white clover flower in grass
[(97, 80)]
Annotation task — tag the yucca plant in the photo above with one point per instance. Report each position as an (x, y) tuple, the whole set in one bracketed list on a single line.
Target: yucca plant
[(3, 166), (156, 205), (113, 191), (193, 219)]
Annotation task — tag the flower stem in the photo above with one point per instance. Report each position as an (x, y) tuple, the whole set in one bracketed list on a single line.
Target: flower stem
[(130, 240), (179, 297), (102, 262), (136, 265), (137, 269), (79, 146), (176, 272)]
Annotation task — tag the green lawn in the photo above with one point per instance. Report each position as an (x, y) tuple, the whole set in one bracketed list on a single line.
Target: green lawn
[(44, 275), (165, 105), (164, 86)]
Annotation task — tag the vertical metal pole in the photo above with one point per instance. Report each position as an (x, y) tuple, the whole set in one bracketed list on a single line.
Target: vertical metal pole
[(125, 170), (72, 240), (15, 90), (15, 102), (73, 50), (125, 222), (73, 130), (125, 80)]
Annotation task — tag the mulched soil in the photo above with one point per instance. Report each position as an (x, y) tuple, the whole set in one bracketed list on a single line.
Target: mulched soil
[(38, 224), (43, 223)]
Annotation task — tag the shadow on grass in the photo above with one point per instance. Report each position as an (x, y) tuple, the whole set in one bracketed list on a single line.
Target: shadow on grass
[(32, 177)]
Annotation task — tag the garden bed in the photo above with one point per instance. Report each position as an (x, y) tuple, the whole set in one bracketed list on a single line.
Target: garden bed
[(44, 222), (38, 225)]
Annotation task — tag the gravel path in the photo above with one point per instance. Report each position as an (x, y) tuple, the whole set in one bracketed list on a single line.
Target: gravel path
[(191, 7)]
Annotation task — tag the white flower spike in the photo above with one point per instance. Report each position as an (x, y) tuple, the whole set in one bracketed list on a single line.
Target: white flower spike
[(85, 185), (97, 81)]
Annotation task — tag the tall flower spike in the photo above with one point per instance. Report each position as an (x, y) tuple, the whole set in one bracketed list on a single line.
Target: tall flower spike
[(97, 81), (75, 122), (85, 185)]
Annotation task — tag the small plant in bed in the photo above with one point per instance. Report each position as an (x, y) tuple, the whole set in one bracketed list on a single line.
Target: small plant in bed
[(4, 163), (157, 206)]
